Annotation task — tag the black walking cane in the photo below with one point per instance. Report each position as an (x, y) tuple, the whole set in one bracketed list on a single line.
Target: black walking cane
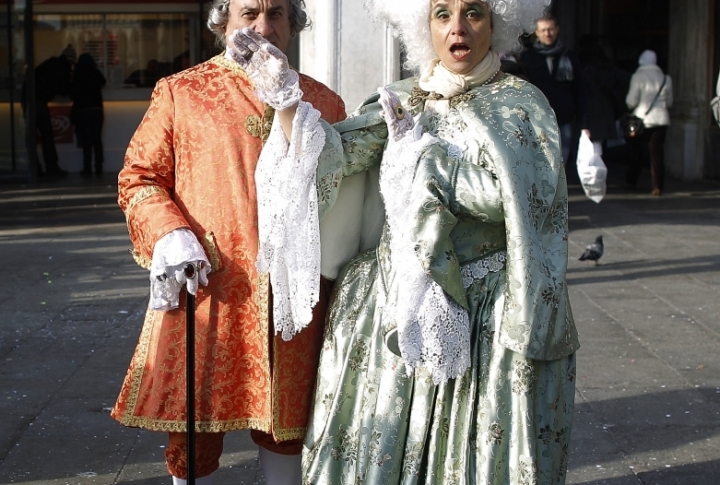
[(190, 272)]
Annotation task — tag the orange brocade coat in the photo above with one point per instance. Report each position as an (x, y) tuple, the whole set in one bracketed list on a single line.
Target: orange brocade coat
[(191, 164)]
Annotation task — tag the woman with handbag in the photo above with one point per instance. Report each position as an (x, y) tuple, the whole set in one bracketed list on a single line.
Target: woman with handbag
[(650, 96)]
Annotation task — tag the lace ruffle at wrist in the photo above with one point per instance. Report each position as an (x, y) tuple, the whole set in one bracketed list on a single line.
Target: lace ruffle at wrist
[(289, 227)]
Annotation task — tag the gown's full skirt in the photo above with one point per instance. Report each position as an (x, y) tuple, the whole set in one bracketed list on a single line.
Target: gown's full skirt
[(507, 420)]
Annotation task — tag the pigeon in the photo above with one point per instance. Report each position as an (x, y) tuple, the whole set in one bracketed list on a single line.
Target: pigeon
[(594, 251)]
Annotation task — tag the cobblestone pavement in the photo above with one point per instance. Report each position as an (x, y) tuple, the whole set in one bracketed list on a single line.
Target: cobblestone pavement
[(648, 383)]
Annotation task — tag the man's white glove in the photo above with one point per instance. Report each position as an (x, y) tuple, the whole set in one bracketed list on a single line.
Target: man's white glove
[(171, 255), (275, 83)]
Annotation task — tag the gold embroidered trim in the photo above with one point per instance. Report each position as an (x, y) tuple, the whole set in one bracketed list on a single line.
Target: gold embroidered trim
[(260, 127), (200, 426), (460, 98), (212, 251), (261, 299), (253, 125), (281, 434), (289, 434), (139, 363), (267, 121), (231, 65), (144, 262), (144, 194), (418, 95)]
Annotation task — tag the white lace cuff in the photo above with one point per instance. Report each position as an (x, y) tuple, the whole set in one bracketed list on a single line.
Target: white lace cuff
[(288, 224), (172, 250)]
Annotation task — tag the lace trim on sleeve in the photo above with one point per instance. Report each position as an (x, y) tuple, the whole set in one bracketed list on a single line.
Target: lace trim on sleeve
[(433, 330), (289, 234)]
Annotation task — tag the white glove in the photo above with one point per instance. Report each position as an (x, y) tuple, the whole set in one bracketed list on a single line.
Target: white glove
[(171, 255), (398, 119), (275, 83)]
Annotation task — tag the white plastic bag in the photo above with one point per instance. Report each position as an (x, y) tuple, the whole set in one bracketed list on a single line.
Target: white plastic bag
[(591, 169), (715, 107)]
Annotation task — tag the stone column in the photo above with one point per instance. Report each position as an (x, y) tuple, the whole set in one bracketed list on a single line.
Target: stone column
[(687, 148), (347, 51)]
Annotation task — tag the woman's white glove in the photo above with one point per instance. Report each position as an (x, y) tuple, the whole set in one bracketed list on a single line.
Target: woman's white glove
[(171, 254), (398, 119), (275, 83)]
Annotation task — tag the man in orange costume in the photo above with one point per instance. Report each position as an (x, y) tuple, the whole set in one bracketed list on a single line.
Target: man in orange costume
[(188, 192)]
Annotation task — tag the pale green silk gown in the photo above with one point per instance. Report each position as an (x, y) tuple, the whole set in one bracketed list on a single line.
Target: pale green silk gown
[(491, 230)]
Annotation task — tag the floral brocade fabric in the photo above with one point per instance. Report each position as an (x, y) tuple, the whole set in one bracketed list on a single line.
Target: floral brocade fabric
[(491, 229), (191, 164)]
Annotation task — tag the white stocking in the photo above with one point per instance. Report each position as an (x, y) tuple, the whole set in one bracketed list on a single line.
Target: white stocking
[(198, 481), (280, 469)]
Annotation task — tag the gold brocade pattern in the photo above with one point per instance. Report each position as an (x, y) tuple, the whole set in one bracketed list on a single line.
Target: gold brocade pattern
[(169, 153)]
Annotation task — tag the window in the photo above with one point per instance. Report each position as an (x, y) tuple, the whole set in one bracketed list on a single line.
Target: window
[(132, 50)]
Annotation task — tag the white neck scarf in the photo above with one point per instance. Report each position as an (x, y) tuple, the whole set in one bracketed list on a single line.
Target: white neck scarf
[(439, 79)]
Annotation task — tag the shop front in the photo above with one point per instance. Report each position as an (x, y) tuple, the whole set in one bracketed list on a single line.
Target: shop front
[(133, 45)]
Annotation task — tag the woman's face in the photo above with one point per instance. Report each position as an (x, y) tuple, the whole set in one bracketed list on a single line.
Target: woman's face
[(461, 32)]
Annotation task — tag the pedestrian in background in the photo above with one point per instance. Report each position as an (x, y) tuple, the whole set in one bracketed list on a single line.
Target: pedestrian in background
[(650, 95), (87, 111), (53, 77), (556, 70), (606, 86)]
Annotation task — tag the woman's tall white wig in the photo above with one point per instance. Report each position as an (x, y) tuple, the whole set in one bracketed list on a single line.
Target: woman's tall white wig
[(410, 21)]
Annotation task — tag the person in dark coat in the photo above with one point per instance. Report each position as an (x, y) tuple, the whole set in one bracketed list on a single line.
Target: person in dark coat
[(556, 70), (145, 78), (87, 111), (605, 86), (53, 77)]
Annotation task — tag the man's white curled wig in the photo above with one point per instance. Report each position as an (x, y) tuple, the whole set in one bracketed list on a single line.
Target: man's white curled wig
[(410, 21)]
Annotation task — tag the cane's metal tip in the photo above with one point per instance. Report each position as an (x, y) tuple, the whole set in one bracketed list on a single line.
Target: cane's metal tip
[(189, 270)]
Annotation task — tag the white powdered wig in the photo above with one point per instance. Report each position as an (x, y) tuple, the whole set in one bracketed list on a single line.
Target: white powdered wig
[(410, 21)]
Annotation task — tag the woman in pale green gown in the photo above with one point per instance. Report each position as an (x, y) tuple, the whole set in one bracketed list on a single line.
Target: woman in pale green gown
[(449, 353)]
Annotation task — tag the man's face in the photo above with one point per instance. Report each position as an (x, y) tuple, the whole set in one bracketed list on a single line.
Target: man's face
[(269, 18), (547, 32)]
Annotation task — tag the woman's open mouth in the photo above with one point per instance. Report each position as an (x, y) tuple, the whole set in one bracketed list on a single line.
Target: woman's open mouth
[(459, 51)]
